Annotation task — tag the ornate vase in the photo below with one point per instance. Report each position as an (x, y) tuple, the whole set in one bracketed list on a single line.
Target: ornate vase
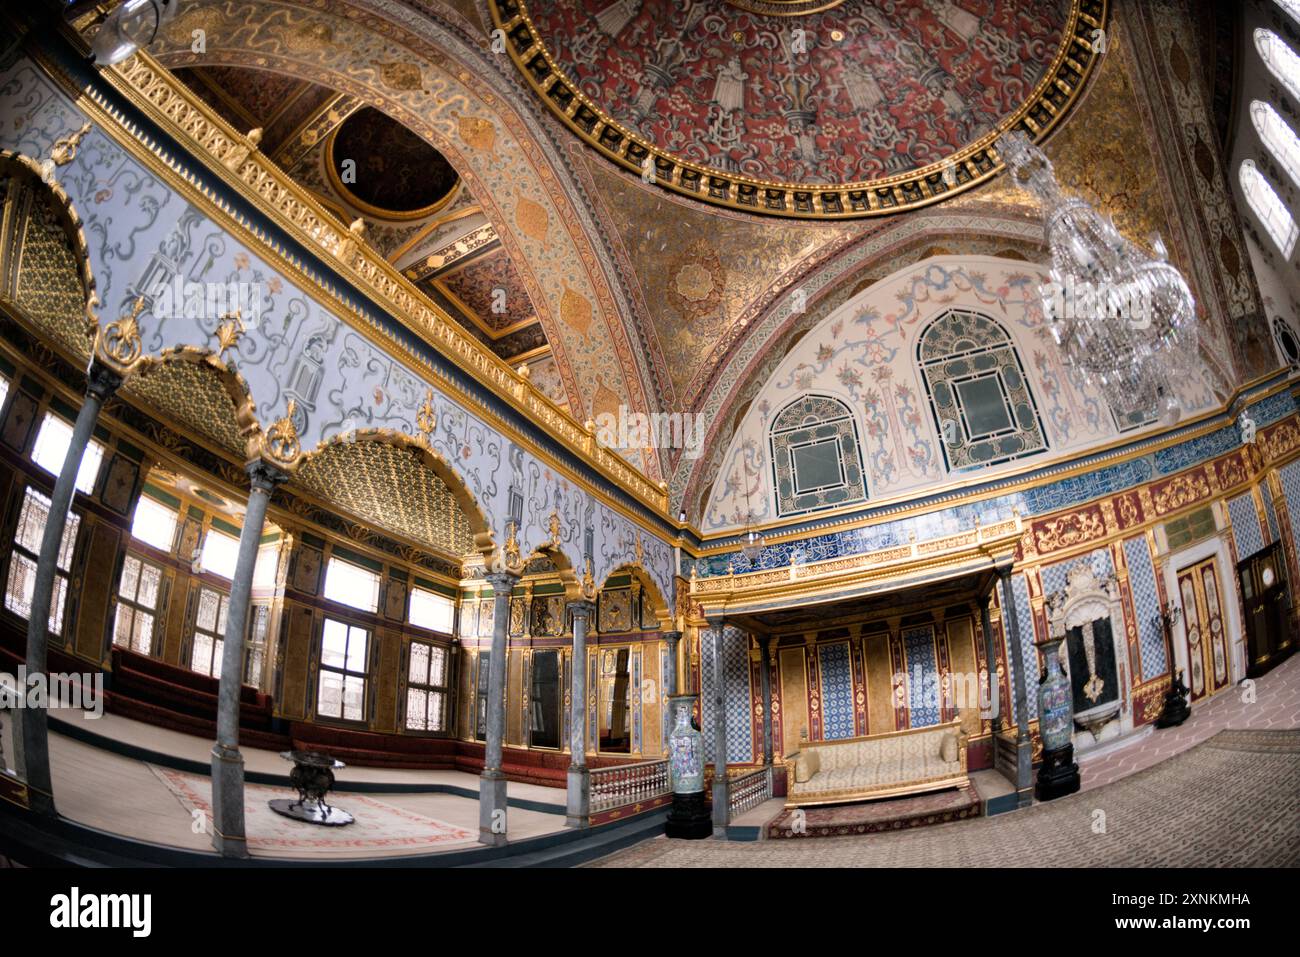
[(1054, 712), (685, 748)]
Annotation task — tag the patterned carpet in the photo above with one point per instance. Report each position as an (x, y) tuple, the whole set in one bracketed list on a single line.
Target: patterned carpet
[(377, 825), (872, 816), (1233, 801)]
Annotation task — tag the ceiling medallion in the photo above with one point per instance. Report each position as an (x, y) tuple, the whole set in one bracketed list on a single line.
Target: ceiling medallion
[(703, 105)]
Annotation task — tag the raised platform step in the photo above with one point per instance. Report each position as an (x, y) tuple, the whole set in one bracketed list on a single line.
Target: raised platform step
[(894, 814)]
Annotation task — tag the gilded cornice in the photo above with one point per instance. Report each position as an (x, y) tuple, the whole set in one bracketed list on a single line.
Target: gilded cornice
[(240, 166)]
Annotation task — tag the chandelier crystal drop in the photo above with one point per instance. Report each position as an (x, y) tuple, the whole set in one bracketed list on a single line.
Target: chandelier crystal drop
[(1124, 318)]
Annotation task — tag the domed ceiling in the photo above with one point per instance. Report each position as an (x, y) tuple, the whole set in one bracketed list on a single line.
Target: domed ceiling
[(819, 109)]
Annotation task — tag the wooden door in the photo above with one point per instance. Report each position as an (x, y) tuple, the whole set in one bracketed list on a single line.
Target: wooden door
[(1204, 628)]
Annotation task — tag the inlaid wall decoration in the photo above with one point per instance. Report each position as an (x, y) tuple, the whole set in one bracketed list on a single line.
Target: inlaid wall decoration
[(469, 618), (487, 609), (816, 460), (548, 616), (518, 616), (983, 408), (615, 611)]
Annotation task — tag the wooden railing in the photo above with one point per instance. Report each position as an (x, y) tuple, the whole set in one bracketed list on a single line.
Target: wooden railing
[(623, 784), (748, 791)]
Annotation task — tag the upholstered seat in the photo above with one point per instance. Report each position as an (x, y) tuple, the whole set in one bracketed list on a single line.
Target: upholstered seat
[(886, 765)]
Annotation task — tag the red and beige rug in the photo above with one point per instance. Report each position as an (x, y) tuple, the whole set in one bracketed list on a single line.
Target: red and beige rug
[(872, 816), (379, 827)]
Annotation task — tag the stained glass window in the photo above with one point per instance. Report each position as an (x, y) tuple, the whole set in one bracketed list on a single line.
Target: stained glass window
[(978, 393), (22, 563), (137, 603), (209, 632), (1277, 136), (344, 669), (426, 687), (1281, 60), (816, 461), (1269, 208)]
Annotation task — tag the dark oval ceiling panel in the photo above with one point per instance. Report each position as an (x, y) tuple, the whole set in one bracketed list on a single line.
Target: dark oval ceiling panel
[(394, 173)]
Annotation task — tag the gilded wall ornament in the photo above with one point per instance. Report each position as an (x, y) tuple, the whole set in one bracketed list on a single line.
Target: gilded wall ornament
[(426, 420), (279, 443), (118, 344), (229, 333)]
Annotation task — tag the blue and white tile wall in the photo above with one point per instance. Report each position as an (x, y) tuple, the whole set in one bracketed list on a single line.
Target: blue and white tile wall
[(922, 676), (735, 694), (1270, 512), (1245, 525), (1056, 575), (837, 690), (1290, 476), (1146, 605), (1020, 592)]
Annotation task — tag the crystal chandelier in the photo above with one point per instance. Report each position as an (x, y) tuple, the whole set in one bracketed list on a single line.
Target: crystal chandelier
[(1125, 319)]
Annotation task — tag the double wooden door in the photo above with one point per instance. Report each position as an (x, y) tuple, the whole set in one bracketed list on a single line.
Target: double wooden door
[(1204, 627)]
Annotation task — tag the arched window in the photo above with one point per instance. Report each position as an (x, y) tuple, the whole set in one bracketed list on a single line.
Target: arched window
[(978, 392), (1269, 208), (1278, 137), (816, 461), (1281, 60), (1292, 7)]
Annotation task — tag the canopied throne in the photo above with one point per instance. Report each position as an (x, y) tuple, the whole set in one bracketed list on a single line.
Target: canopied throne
[(1093, 655)]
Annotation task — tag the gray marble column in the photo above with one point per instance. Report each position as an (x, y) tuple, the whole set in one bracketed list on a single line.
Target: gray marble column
[(1011, 627), (765, 686), (674, 683), (991, 656), (578, 803), (101, 383), (492, 782), (721, 808), (227, 763)]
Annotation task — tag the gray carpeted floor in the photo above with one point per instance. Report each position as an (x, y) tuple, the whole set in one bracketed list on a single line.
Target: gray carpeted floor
[(1233, 801)]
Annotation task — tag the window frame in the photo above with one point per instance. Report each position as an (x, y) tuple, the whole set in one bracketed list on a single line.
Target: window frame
[(135, 607), (376, 577), (364, 676), (62, 572), (155, 503), (94, 452), (427, 687), (217, 633), (1249, 172)]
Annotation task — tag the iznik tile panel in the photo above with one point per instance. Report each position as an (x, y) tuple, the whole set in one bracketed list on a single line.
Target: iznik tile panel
[(1146, 605), (837, 691), (1245, 525), (922, 676), (735, 695)]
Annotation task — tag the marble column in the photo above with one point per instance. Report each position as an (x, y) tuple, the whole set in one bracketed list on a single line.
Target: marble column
[(765, 686), (101, 383), (227, 762), (991, 656), (492, 782), (578, 804), (1024, 746), (673, 638), (721, 807)]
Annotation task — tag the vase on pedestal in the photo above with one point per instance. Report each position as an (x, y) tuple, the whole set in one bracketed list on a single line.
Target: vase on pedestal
[(1058, 775), (690, 817)]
